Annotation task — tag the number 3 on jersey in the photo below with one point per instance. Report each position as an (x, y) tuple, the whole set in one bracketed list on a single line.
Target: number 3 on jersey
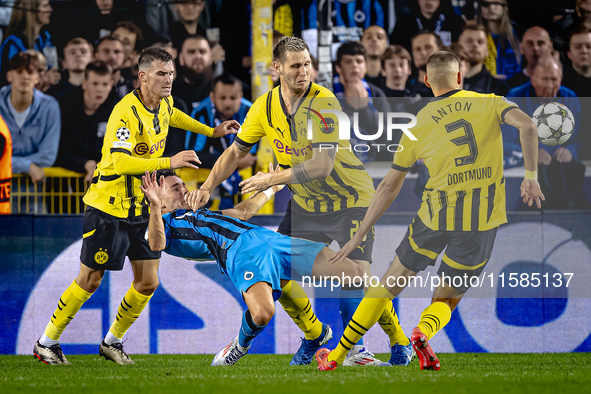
[(468, 138)]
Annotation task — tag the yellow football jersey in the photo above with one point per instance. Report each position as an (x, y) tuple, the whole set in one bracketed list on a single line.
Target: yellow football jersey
[(138, 132), (459, 138), (348, 185)]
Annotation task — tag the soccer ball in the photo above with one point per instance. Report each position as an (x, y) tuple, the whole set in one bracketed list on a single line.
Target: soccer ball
[(555, 123)]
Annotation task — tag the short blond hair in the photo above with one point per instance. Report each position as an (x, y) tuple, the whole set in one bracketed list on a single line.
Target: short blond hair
[(442, 68)]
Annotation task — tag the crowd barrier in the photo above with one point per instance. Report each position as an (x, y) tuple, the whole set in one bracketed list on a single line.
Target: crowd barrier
[(61, 191)]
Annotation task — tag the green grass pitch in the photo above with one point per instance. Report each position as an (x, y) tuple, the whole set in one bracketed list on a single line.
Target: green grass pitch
[(460, 373)]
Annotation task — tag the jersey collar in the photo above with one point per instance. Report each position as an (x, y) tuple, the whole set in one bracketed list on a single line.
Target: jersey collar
[(284, 108), (136, 93), (448, 94)]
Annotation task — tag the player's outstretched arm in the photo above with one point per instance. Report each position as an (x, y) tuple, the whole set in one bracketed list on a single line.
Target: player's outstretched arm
[(528, 135), (223, 168), (183, 121), (249, 207), (225, 128), (386, 193), (154, 193), (319, 166)]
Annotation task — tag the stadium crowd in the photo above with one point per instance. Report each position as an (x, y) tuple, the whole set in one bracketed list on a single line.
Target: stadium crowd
[(65, 64)]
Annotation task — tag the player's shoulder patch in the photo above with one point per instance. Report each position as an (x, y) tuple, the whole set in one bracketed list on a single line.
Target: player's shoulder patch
[(123, 134)]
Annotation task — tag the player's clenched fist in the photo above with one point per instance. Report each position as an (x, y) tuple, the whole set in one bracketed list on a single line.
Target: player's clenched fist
[(197, 198), (184, 159), (225, 128)]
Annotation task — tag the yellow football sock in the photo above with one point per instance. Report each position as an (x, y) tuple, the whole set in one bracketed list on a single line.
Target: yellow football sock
[(297, 305), (434, 318), (391, 326), (69, 304), (367, 314), (129, 310)]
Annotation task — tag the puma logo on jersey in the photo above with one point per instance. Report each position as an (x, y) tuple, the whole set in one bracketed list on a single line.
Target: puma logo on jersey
[(362, 248), (280, 131)]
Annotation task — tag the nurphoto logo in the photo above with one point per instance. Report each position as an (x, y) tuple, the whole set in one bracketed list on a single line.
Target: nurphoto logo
[(327, 126)]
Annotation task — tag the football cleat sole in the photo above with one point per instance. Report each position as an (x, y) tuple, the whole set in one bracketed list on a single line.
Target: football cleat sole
[(427, 358)]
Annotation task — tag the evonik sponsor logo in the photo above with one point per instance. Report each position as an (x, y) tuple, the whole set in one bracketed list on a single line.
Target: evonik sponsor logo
[(281, 148), (142, 147)]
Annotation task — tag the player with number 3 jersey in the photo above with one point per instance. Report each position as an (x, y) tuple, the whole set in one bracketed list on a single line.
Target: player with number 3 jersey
[(459, 137)]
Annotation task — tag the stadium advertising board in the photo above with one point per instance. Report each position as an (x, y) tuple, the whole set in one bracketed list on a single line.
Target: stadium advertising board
[(197, 310)]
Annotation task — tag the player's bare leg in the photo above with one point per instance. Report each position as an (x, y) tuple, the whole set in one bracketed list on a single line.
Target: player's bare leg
[(47, 349), (145, 283), (261, 308)]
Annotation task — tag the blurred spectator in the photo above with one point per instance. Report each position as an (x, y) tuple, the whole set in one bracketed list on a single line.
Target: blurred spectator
[(457, 50), (578, 77), (110, 50), (396, 69), (349, 20), (102, 19), (274, 76), (33, 118), (176, 137), (564, 27), (5, 167), (435, 15), (188, 23), (26, 31), (375, 41), (423, 45), (160, 15), (560, 172), (5, 14), (195, 76), (534, 45), (234, 16), (356, 95), (131, 37), (47, 77), (478, 79), (77, 54), (162, 41), (88, 107), (225, 102), (504, 55)]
